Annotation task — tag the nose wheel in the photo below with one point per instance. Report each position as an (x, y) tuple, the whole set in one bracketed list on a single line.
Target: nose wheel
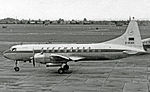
[(63, 68), (16, 68)]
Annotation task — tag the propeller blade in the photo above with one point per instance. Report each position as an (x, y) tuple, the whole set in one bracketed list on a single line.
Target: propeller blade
[(33, 61)]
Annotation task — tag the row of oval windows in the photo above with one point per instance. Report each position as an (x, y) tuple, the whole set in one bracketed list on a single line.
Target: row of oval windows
[(76, 50), (71, 50)]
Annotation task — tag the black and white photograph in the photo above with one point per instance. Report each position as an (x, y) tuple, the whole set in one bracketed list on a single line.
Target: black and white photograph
[(74, 46)]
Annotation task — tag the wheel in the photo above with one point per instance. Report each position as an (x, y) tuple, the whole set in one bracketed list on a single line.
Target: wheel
[(60, 70), (66, 67), (16, 69)]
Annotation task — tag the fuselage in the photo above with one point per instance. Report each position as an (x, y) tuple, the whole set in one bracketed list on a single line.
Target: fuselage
[(95, 51)]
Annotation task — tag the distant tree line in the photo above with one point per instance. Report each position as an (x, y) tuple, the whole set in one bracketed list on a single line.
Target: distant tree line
[(62, 21)]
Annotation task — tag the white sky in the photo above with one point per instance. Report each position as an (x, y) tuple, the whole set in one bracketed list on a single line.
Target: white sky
[(75, 9)]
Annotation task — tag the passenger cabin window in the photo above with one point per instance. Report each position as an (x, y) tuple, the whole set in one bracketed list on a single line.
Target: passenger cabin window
[(73, 50), (68, 50), (84, 50), (47, 51), (55, 50), (50, 51), (79, 50), (89, 48), (96, 50), (61, 51)]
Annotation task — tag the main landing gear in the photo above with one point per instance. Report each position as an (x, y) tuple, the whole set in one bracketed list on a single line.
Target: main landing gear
[(16, 68), (63, 68)]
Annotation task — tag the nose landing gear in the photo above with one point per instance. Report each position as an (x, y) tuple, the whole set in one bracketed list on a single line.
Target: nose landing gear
[(61, 70), (16, 68)]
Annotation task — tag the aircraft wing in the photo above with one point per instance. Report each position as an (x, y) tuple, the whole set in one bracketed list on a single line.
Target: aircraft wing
[(72, 58), (60, 56), (76, 58), (57, 57), (130, 52)]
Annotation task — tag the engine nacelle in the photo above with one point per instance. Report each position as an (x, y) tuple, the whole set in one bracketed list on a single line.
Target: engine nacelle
[(44, 58), (53, 64)]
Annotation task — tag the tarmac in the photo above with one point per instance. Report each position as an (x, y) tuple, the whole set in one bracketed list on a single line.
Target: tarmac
[(130, 74)]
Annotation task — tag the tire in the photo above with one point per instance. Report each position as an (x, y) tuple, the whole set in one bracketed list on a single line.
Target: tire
[(66, 67), (60, 70), (16, 69)]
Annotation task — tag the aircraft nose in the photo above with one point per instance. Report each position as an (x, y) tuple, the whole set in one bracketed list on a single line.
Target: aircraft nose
[(6, 54)]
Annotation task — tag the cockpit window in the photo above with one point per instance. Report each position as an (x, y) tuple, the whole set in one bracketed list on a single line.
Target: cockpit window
[(13, 49)]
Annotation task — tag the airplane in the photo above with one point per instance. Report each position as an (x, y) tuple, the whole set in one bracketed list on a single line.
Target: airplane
[(146, 44), (128, 44)]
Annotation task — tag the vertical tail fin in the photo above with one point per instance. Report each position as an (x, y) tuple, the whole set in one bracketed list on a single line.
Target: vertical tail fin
[(131, 37)]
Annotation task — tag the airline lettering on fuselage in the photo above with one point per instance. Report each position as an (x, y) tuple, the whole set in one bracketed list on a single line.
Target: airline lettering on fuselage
[(130, 40)]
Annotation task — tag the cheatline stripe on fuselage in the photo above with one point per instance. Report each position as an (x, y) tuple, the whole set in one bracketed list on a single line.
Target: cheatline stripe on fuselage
[(68, 51)]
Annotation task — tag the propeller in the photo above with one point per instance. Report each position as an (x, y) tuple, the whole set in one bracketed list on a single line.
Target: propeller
[(33, 60)]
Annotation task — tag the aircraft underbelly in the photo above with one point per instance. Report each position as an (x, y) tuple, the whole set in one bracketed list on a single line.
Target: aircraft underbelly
[(101, 55)]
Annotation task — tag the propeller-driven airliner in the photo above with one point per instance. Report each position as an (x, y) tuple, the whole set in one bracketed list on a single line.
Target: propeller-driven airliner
[(128, 44)]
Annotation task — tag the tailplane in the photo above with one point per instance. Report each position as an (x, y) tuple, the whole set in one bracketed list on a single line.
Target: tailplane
[(131, 37)]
